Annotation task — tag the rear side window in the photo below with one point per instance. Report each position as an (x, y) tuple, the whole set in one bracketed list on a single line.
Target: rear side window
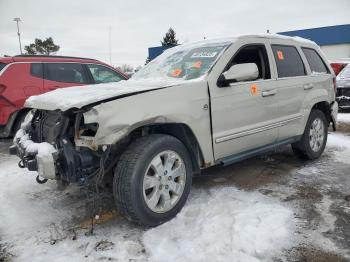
[(36, 69), (2, 65), (288, 61), (65, 72), (315, 61)]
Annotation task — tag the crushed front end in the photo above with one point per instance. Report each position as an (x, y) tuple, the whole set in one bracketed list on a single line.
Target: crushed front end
[(46, 144)]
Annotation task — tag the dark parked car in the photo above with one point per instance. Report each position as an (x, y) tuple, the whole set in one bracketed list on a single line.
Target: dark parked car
[(343, 88), (23, 76)]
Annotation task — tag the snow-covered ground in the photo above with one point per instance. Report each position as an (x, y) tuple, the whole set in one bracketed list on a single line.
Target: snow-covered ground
[(344, 117), (219, 222)]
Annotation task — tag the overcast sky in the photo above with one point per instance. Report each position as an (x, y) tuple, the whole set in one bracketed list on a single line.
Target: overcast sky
[(81, 27)]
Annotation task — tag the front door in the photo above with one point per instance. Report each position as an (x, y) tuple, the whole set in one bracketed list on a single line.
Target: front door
[(243, 113)]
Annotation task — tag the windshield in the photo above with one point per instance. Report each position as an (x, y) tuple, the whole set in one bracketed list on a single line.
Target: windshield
[(182, 62)]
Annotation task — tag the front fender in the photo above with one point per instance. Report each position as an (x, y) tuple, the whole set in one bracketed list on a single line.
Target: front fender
[(178, 104)]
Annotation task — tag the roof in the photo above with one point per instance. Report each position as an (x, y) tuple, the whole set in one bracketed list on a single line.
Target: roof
[(328, 35), (153, 52), (46, 58), (58, 59), (55, 56)]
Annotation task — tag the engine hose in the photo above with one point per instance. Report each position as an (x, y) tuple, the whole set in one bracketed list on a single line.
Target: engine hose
[(41, 181)]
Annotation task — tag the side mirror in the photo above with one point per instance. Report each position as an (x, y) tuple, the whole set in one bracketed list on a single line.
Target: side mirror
[(241, 72)]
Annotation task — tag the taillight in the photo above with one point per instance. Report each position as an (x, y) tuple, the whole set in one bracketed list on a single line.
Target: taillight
[(335, 84), (2, 89)]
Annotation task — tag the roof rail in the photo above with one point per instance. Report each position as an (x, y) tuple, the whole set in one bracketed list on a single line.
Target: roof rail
[(56, 56)]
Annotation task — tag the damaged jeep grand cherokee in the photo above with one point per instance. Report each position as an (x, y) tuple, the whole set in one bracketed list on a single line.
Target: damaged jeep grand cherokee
[(213, 102)]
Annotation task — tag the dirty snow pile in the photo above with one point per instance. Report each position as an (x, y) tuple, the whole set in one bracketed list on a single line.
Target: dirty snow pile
[(223, 224), (220, 224), (344, 118), (342, 142)]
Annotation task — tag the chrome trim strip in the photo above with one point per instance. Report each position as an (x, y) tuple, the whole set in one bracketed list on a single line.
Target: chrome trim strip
[(256, 130)]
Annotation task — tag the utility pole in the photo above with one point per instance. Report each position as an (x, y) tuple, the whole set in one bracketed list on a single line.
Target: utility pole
[(110, 45), (17, 20)]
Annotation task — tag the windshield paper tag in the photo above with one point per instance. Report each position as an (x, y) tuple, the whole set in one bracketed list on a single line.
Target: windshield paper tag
[(204, 54), (280, 55)]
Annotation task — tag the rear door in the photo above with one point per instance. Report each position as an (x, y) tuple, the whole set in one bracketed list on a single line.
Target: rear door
[(35, 81), (320, 75), (243, 113), (21, 80), (58, 75), (18, 82), (291, 80)]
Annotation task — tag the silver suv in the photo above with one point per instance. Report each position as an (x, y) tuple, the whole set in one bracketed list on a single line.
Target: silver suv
[(197, 105)]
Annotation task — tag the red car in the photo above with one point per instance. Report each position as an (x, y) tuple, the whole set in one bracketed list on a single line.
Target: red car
[(23, 76)]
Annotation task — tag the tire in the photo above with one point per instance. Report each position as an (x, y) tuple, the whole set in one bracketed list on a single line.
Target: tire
[(307, 148), (136, 165)]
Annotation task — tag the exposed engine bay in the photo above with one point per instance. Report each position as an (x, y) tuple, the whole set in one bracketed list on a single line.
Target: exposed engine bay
[(45, 143)]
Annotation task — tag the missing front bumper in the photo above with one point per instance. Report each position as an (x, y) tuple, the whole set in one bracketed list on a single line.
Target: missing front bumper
[(38, 157)]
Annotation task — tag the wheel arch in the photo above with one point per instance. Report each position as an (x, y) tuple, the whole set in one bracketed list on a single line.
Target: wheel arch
[(179, 130), (15, 116), (325, 107)]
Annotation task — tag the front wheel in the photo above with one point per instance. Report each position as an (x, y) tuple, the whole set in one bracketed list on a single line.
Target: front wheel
[(153, 179), (314, 139)]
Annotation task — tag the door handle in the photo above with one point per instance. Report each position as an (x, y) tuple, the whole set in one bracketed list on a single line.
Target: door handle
[(308, 86), (266, 93)]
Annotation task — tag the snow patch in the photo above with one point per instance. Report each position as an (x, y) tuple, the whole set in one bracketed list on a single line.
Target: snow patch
[(344, 118), (23, 140), (225, 224), (342, 142)]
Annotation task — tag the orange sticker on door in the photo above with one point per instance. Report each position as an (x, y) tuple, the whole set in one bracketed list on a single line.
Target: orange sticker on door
[(254, 90), (280, 55)]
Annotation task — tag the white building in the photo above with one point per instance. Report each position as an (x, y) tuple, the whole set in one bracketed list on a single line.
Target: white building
[(334, 40)]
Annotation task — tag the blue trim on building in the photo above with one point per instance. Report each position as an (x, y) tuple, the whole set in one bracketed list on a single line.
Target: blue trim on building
[(329, 35), (153, 52)]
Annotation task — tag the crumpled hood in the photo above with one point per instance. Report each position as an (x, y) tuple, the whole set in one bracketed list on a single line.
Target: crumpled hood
[(79, 96)]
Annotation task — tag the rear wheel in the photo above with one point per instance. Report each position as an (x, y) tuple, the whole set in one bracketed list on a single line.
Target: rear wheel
[(153, 179), (314, 139)]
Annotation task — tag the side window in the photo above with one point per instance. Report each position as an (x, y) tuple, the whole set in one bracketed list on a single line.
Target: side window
[(102, 74), (253, 54), (36, 69), (288, 61), (315, 61), (2, 65), (65, 72)]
